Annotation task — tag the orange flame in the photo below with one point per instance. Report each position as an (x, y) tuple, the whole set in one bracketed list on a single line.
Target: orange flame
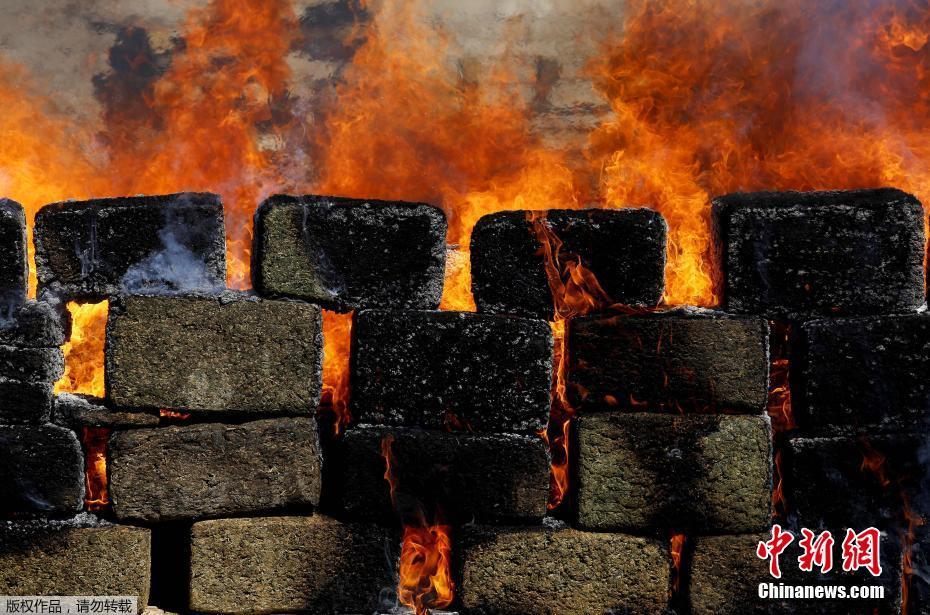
[(96, 482), (84, 350), (337, 338), (676, 547), (779, 396), (425, 568)]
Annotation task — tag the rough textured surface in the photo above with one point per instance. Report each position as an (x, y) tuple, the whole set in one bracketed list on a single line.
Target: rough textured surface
[(840, 482), (41, 470), (347, 254), (25, 402), (451, 369), (232, 353), (31, 364), (92, 249), (490, 477), (78, 557), (286, 564), (862, 375), (210, 470), (623, 248), (679, 360), (541, 571), (725, 575), (34, 324), (695, 473), (77, 411), (797, 254), (14, 272)]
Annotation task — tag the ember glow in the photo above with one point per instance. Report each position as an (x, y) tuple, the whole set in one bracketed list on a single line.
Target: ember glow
[(96, 484)]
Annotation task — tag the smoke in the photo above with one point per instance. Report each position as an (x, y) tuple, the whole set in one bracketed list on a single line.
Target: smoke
[(174, 268)]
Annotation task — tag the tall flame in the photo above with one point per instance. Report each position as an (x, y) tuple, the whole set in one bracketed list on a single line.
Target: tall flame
[(96, 481), (84, 350), (425, 568)]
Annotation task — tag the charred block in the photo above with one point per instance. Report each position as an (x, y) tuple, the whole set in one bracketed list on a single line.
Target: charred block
[(623, 248), (93, 249), (78, 411), (680, 360), (695, 473), (25, 402), (889, 357), (41, 470), (289, 564), (539, 571), (859, 482), (34, 324), (211, 470), (31, 364), (77, 557), (226, 354), (347, 254), (725, 575), (490, 477), (803, 253), (451, 369), (14, 267)]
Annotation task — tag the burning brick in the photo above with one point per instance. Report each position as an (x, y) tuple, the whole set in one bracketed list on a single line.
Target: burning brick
[(676, 360), (798, 254), (77, 557), (78, 411), (623, 248), (41, 470), (848, 482), (209, 470), (529, 571), (289, 564), (34, 324), (31, 364), (460, 473), (230, 353), (347, 254), (14, 267), (641, 472), (890, 359), (93, 249), (25, 402), (725, 576), (452, 370)]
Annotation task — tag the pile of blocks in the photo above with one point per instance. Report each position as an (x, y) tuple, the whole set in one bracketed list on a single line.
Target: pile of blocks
[(250, 505)]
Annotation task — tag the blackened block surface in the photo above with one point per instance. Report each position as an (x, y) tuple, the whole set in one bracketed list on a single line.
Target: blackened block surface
[(77, 557), (31, 364), (542, 571), (41, 470), (725, 574), (232, 353), (347, 254), (78, 411), (288, 564), (623, 248), (211, 470), (640, 472), (859, 482), (14, 272), (25, 402), (862, 375), (93, 249), (441, 369), (34, 324), (803, 253), (490, 477), (680, 360)]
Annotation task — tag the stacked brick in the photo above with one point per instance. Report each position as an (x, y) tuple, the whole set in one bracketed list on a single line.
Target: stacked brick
[(246, 506), (844, 272)]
